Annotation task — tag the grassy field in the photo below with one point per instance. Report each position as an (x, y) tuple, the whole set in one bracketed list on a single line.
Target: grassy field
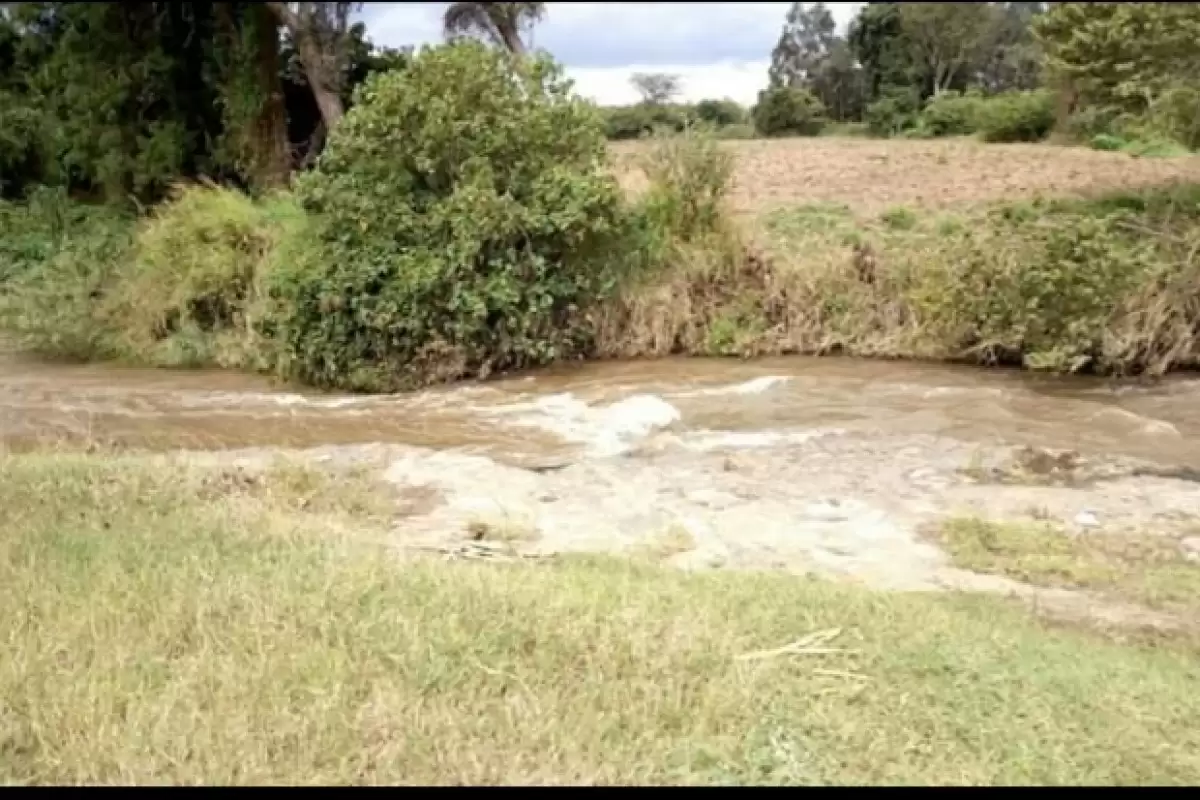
[(170, 624), (872, 175), (1153, 571)]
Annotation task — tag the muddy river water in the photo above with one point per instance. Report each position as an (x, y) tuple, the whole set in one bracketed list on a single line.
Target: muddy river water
[(815, 465)]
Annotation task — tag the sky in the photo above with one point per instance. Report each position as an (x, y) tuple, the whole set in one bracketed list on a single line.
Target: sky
[(717, 49)]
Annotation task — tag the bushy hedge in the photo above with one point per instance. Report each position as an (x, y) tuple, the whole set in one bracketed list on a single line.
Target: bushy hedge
[(788, 111), (896, 110), (720, 113), (952, 114), (1017, 117), (465, 222), (643, 119), (634, 122)]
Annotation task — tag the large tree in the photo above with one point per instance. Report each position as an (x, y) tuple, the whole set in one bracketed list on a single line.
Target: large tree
[(123, 99), (1122, 54), (810, 55), (1014, 57), (806, 41), (320, 34), (255, 141), (877, 41), (947, 41), (656, 88), (502, 24)]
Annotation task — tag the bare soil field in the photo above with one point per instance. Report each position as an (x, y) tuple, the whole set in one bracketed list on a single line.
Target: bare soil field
[(872, 175)]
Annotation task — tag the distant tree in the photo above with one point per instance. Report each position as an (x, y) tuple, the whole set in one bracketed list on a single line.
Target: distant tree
[(656, 88), (810, 55), (840, 83), (502, 24), (804, 45), (1122, 54), (877, 41), (947, 41), (1014, 58), (720, 112)]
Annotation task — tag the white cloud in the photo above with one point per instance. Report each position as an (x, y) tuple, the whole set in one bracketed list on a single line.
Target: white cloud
[(717, 49)]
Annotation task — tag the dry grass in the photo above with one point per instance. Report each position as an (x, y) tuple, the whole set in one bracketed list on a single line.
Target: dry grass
[(871, 176), (158, 631), (1150, 570)]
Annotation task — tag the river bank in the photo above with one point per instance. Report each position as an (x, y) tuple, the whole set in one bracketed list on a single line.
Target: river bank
[(1102, 283), (683, 557), (255, 616)]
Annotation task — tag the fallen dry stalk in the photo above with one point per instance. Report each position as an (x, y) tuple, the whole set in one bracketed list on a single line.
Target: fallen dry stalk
[(812, 644)]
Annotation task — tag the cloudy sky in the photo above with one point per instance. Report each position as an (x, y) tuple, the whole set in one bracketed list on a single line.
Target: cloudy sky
[(717, 49)]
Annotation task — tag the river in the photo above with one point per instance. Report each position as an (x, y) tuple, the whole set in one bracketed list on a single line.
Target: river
[(826, 465)]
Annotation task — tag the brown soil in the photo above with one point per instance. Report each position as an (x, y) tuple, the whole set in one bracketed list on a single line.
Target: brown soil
[(871, 175)]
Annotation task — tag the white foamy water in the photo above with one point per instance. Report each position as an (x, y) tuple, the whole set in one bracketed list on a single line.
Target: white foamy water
[(752, 386), (707, 441), (606, 430)]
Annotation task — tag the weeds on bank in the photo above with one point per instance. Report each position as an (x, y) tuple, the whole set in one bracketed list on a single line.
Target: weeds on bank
[(158, 632), (517, 249), (1150, 570)]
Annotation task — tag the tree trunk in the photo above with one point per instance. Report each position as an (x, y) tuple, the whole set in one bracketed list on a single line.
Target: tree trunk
[(273, 157), (318, 66), (512, 40), (322, 83)]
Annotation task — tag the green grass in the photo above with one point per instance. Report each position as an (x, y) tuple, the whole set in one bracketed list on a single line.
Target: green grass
[(1149, 570), (174, 625)]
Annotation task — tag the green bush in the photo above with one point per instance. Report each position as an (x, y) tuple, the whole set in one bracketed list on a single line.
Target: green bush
[(689, 176), (951, 114), (1107, 142), (721, 113), (19, 143), (191, 292), (180, 288), (741, 131), (635, 122), (57, 257), (1043, 290), (466, 220), (788, 111), (1017, 117), (1086, 124), (896, 110), (34, 231), (1174, 116)]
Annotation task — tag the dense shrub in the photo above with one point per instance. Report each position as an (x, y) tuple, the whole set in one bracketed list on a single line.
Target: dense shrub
[(1017, 117), (34, 231), (689, 175), (721, 113), (951, 114), (896, 110), (1086, 124), (788, 111), (57, 257), (191, 292), (180, 288), (1049, 288), (635, 122), (1175, 116), (466, 221)]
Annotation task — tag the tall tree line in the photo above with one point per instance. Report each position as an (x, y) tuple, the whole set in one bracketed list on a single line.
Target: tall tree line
[(118, 100), (922, 48)]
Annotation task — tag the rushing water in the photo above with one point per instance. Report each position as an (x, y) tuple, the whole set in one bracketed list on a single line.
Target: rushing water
[(557, 411), (816, 465)]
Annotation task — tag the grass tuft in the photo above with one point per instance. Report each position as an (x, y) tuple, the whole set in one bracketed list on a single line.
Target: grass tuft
[(159, 632)]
